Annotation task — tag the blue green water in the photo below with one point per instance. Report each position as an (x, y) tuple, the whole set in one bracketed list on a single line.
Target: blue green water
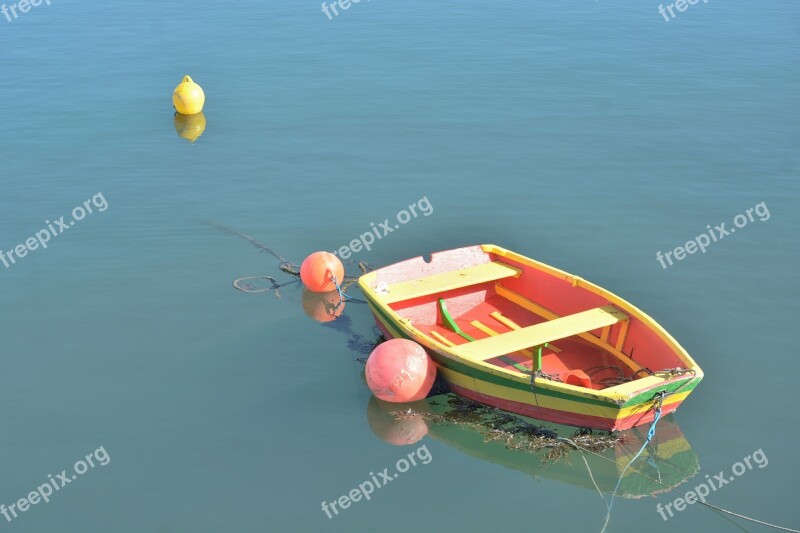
[(589, 135)]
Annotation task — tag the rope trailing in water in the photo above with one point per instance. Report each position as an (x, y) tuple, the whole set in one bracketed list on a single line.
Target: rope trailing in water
[(239, 285), (287, 267), (342, 295), (650, 434)]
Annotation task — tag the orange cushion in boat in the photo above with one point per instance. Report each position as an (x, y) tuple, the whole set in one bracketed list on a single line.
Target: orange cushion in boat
[(579, 378)]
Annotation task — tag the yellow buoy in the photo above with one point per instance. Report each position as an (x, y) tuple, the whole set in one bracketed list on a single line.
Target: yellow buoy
[(188, 97), (190, 127)]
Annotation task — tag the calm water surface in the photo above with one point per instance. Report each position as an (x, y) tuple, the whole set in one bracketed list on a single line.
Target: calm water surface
[(587, 134)]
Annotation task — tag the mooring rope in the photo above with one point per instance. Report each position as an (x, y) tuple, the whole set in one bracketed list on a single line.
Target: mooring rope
[(600, 492), (342, 295), (239, 284), (289, 268), (588, 468), (650, 434)]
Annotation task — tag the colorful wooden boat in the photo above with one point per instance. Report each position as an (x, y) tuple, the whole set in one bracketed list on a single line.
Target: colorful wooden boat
[(510, 332)]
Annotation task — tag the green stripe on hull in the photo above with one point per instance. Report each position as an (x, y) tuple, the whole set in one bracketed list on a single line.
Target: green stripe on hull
[(480, 375), (672, 387)]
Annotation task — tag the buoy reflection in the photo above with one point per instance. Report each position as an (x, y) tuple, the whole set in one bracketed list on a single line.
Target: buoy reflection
[(398, 431), (322, 306), (190, 127)]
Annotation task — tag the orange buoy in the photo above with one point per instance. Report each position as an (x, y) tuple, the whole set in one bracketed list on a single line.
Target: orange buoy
[(318, 271), (393, 430), (400, 371), (322, 306)]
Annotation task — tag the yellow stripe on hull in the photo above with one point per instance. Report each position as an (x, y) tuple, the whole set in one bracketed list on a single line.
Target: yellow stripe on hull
[(548, 402)]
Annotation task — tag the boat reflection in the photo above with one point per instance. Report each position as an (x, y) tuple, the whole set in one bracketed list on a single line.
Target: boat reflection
[(666, 463)]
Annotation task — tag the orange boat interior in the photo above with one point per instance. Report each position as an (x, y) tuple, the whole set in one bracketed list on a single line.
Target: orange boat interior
[(596, 359), (574, 360)]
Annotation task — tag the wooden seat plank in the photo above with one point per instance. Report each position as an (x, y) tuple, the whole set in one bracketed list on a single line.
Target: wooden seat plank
[(510, 324), (543, 312), (536, 335), (447, 281)]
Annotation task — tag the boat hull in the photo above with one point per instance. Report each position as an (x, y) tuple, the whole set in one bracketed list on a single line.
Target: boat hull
[(542, 405)]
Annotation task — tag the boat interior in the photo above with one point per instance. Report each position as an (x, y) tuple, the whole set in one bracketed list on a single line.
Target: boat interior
[(489, 312)]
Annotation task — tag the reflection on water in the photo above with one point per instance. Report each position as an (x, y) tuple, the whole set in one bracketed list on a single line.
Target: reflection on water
[(190, 127), (399, 431), (322, 306), (502, 438), (667, 462)]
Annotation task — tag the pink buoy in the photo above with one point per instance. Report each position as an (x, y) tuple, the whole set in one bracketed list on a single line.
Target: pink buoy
[(400, 371)]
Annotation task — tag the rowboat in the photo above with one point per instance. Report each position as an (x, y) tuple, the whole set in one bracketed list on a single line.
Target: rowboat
[(513, 333)]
